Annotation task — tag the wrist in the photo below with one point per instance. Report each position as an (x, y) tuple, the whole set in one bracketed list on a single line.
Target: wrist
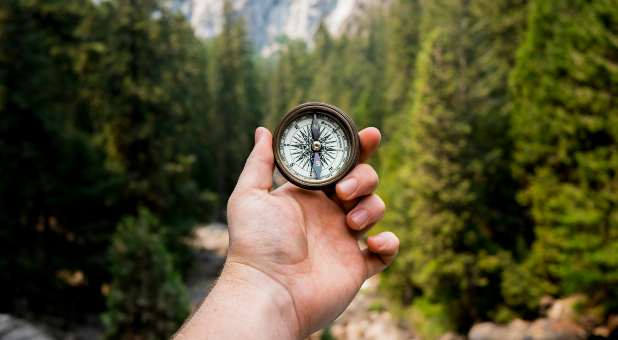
[(261, 296), (245, 303)]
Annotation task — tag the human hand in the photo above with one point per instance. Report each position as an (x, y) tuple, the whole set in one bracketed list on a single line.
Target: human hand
[(297, 250)]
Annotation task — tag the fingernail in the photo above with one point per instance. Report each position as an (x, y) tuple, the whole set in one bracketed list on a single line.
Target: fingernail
[(380, 238), (348, 186), (258, 134), (359, 217)]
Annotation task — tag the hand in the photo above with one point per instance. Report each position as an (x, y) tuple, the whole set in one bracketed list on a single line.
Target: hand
[(297, 250)]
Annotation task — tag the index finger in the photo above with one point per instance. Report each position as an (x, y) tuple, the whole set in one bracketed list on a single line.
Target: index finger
[(369, 141)]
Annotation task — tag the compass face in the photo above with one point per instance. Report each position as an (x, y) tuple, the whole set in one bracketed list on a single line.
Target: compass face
[(299, 155), (315, 145)]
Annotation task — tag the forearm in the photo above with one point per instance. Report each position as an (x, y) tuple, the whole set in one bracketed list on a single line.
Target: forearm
[(244, 304)]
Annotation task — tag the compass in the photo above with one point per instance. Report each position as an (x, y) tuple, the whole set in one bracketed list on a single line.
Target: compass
[(315, 145)]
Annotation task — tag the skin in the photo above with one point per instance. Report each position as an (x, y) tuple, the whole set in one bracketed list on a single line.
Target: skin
[(294, 263)]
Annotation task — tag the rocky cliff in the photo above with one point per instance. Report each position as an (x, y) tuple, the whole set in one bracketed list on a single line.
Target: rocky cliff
[(270, 20)]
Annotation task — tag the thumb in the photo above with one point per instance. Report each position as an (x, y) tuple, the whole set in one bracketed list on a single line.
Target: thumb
[(258, 171)]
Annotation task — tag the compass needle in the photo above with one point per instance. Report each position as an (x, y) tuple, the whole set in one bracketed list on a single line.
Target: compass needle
[(315, 128), (317, 165)]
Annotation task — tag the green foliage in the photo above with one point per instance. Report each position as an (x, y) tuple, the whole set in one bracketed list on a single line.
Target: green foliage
[(499, 165), (453, 196), (237, 103), (347, 71), (102, 110), (147, 299), (566, 137), (402, 48), (289, 80), (146, 124), (57, 200), (152, 118), (327, 335), (431, 319)]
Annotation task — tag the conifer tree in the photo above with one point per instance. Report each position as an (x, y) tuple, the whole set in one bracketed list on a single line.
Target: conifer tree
[(150, 113), (567, 149), (147, 299), (237, 102), (289, 80), (402, 46), (402, 27), (57, 201), (452, 196)]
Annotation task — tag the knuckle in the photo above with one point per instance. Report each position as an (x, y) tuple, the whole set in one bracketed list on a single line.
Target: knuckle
[(263, 159)]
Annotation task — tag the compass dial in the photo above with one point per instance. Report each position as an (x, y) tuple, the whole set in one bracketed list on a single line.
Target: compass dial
[(315, 145)]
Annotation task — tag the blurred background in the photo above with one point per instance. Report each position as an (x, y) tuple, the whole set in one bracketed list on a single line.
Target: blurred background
[(124, 125)]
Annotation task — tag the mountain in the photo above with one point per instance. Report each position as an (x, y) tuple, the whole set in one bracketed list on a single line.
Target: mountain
[(268, 21)]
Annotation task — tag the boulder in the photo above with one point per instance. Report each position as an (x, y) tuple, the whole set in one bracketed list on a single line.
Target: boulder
[(612, 322), (566, 309), (545, 304), (12, 328), (452, 336), (548, 329), (516, 330)]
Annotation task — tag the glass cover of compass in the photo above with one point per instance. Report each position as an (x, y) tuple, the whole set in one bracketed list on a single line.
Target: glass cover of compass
[(315, 145)]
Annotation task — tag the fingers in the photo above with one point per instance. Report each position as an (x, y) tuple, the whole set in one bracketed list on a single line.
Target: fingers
[(380, 253), (361, 181), (367, 212), (369, 142), (258, 171)]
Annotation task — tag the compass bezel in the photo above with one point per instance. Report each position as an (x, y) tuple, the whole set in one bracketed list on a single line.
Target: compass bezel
[(347, 125)]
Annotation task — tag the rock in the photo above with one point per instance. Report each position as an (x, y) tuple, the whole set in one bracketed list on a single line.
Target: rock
[(601, 332), (516, 330), (487, 331), (452, 336), (519, 325), (267, 21), (612, 326), (212, 237), (612, 322), (12, 328), (545, 304), (548, 329), (566, 309)]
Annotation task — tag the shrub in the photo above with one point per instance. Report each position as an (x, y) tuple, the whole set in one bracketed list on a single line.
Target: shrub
[(147, 299)]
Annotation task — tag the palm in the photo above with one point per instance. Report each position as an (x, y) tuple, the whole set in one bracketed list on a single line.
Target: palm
[(294, 262), (307, 248), (302, 240)]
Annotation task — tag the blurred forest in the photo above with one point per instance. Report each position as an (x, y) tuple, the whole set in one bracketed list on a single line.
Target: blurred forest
[(120, 130)]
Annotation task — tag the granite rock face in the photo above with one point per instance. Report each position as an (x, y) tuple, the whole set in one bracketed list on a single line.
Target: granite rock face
[(271, 21)]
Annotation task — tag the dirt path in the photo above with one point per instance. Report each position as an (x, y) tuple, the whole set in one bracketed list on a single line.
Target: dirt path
[(366, 318)]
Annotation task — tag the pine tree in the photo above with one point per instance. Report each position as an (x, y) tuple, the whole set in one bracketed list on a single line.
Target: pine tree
[(237, 102), (152, 114), (288, 81), (403, 44), (368, 78), (147, 299), (57, 200), (567, 156), (402, 47), (452, 194)]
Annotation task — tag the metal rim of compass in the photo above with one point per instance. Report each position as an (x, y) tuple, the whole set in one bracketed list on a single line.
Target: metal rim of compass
[(342, 118)]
